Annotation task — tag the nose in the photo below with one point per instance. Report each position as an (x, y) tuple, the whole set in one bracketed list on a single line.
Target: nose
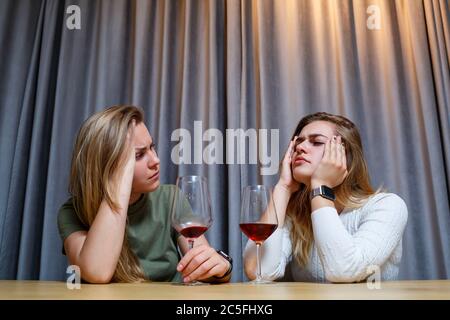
[(153, 160), (300, 147)]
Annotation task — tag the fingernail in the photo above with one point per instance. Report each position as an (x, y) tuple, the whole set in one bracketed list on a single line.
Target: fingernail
[(179, 267), (186, 279)]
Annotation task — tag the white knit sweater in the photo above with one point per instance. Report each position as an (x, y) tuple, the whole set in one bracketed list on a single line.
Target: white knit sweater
[(347, 247)]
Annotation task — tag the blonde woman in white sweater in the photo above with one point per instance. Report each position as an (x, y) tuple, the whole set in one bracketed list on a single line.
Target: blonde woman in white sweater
[(333, 227)]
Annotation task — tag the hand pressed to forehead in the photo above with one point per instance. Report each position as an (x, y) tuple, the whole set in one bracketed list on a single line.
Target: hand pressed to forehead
[(332, 169)]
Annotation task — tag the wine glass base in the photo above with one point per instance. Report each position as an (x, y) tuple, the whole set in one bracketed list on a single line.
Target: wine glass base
[(192, 283), (261, 281)]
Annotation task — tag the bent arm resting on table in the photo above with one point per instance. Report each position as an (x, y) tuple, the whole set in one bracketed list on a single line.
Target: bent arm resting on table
[(346, 257)]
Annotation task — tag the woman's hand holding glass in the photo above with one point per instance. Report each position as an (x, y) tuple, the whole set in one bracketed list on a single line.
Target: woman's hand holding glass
[(201, 263), (191, 217)]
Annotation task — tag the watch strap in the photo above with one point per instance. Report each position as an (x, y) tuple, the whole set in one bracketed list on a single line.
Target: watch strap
[(229, 259)]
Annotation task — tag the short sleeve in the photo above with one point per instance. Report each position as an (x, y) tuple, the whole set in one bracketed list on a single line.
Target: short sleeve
[(68, 221)]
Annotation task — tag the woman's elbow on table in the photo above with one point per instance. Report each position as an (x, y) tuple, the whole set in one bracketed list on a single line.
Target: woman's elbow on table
[(341, 275), (250, 269), (96, 277)]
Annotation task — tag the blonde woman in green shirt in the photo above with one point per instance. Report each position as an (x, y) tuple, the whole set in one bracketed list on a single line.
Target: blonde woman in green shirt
[(116, 226)]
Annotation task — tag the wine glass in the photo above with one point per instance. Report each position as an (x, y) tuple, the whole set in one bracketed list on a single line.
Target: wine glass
[(258, 220), (191, 209)]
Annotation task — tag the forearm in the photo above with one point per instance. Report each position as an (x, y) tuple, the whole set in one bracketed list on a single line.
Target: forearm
[(281, 196), (101, 250), (320, 202), (343, 259)]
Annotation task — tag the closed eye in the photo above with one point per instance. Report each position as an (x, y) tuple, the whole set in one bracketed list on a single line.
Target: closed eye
[(139, 156)]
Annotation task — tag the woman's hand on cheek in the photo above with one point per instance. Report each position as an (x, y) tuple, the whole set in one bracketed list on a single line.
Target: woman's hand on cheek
[(286, 179), (332, 169)]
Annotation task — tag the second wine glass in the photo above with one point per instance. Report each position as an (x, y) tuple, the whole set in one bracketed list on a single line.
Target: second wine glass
[(191, 209), (258, 220)]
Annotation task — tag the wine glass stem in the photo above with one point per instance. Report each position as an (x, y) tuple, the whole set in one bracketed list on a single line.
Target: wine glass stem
[(258, 262), (191, 243)]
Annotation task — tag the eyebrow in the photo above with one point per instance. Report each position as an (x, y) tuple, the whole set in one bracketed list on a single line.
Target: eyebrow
[(141, 148), (312, 136)]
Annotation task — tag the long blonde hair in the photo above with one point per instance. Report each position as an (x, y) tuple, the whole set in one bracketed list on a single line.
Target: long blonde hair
[(97, 155), (352, 193)]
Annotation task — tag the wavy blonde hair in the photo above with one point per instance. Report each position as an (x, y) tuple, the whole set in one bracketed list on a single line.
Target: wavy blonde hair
[(351, 193), (97, 155)]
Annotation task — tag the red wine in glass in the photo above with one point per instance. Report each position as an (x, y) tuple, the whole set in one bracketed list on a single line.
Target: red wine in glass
[(258, 232), (192, 231), (258, 220)]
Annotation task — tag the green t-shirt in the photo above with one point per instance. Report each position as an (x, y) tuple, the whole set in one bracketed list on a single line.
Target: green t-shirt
[(150, 234)]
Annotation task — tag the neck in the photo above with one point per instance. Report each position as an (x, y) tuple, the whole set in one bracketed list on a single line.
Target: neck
[(134, 197)]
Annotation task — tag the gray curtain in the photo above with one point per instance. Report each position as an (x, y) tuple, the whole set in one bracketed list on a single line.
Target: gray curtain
[(230, 64)]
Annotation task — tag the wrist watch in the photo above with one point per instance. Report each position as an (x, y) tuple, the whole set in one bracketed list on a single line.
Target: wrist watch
[(324, 192), (229, 259)]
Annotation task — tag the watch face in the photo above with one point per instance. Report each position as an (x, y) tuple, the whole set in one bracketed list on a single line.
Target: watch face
[(324, 192), (328, 193)]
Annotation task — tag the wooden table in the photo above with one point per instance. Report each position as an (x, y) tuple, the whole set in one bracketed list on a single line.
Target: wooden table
[(424, 290)]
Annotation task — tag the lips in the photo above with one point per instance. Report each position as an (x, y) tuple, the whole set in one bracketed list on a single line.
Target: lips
[(156, 175), (300, 160)]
